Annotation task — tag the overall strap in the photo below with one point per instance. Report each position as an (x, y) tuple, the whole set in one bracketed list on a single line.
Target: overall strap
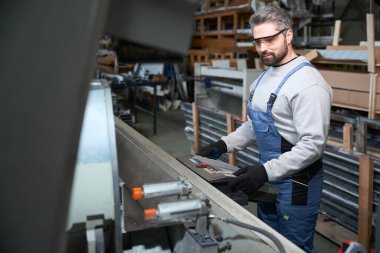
[(257, 84), (273, 96)]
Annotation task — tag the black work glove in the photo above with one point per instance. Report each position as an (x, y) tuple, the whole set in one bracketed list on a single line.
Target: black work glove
[(249, 179), (214, 150)]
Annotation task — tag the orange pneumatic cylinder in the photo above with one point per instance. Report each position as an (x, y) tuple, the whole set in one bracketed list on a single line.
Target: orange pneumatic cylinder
[(150, 214), (137, 193)]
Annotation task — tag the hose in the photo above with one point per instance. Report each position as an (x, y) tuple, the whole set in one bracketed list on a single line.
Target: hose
[(276, 241)]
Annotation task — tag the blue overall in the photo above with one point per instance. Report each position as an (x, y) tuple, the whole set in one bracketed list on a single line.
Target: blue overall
[(295, 211)]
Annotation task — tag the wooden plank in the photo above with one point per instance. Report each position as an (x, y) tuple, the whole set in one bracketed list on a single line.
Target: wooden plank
[(373, 153), (348, 136), (337, 144), (333, 231), (352, 90), (224, 13), (244, 111), (337, 27), (347, 80), (346, 47), (371, 42), (213, 43), (311, 55), (334, 143), (365, 201), (377, 95), (235, 22), (230, 129), (341, 63), (350, 99), (220, 24), (372, 96), (197, 144)]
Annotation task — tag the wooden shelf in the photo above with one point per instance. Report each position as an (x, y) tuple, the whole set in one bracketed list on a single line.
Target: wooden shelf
[(223, 5), (218, 29)]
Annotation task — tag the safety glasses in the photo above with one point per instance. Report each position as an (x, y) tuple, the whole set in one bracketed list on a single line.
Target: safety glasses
[(267, 40)]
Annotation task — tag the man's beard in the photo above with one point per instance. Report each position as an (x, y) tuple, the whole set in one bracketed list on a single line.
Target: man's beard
[(274, 60)]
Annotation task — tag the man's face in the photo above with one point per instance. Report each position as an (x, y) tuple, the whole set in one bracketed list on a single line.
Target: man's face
[(271, 44)]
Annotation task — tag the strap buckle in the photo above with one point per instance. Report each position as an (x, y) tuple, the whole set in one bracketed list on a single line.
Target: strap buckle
[(272, 99)]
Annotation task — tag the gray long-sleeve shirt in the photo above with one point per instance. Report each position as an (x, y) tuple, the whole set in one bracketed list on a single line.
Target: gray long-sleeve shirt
[(301, 114)]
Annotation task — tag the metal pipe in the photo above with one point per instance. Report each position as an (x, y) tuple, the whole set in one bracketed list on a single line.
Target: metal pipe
[(147, 191), (178, 209)]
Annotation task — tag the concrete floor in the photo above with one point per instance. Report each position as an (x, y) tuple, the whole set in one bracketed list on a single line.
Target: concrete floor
[(172, 139)]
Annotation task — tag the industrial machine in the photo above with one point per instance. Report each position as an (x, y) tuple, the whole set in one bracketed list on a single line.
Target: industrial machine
[(175, 208), (67, 187), (130, 196), (223, 89)]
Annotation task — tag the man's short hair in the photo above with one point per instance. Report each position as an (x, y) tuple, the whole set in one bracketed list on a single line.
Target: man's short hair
[(272, 14)]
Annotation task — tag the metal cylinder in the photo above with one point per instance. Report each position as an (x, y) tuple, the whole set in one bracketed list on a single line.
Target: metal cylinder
[(181, 209), (180, 188)]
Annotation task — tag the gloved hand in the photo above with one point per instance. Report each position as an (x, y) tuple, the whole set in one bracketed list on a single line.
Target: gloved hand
[(214, 150), (249, 179)]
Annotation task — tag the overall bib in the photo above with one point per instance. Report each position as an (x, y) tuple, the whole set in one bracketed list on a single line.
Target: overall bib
[(295, 211)]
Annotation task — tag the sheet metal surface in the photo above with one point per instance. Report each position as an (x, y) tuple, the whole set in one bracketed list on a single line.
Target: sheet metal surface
[(140, 161)]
